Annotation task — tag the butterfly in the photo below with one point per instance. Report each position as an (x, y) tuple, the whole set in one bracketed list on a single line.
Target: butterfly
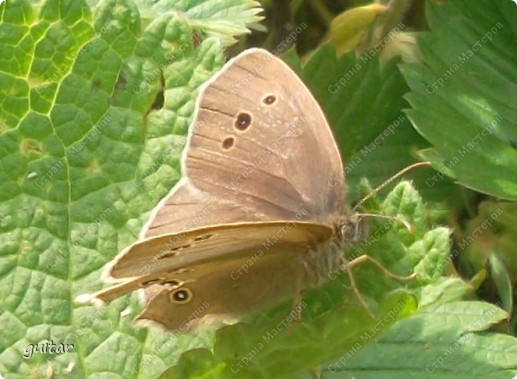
[(258, 215)]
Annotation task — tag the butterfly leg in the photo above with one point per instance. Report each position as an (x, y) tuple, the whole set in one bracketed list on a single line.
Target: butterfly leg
[(297, 301), (367, 258), (357, 293), (353, 284)]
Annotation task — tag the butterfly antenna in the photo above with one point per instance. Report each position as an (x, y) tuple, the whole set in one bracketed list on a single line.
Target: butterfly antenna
[(406, 224), (397, 175)]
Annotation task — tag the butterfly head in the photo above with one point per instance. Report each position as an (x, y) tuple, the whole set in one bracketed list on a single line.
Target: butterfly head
[(350, 230)]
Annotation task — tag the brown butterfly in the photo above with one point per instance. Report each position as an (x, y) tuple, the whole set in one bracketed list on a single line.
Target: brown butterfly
[(258, 215)]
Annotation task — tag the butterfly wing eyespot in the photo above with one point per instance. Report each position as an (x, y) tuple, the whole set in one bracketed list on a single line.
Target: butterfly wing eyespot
[(180, 296), (243, 121), (228, 143), (269, 99)]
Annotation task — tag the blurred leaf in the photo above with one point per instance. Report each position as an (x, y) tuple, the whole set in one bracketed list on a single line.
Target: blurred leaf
[(488, 242), (502, 281), (347, 28)]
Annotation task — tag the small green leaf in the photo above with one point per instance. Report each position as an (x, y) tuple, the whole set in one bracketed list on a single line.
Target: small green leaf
[(432, 252), (442, 291), (196, 363)]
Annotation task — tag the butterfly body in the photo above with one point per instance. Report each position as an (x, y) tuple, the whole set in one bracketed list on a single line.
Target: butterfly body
[(258, 215)]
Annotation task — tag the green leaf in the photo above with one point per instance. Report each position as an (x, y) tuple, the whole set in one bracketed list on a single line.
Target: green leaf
[(420, 250), (462, 93), (432, 250), (444, 341), (196, 363), (266, 349), (94, 107), (212, 18), (442, 291)]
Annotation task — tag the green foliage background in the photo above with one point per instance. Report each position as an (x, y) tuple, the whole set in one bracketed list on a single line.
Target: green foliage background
[(95, 102)]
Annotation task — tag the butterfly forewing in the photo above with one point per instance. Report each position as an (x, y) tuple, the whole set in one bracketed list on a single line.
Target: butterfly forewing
[(266, 146)]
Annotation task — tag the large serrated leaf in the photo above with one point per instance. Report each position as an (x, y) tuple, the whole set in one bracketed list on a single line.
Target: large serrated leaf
[(462, 93), (443, 341), (363, 102), (94, 107)]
